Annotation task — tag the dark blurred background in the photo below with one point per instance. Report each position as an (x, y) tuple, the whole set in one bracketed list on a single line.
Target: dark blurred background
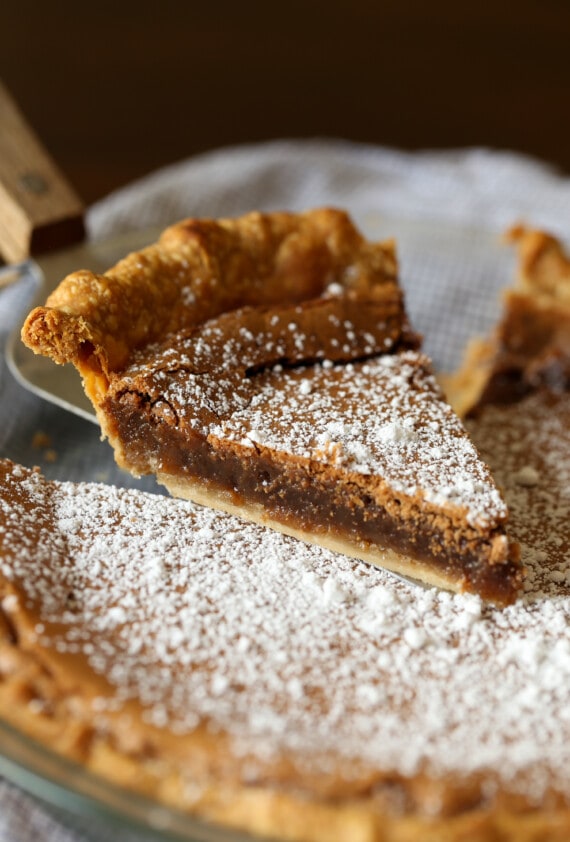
[(117, 89)]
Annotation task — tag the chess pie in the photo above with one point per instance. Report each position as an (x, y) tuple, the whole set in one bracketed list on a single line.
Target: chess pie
[(268, 685), (265, 366)]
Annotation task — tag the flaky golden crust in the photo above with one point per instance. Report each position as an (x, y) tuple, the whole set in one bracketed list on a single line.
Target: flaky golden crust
[(544, 266), (198, 269)]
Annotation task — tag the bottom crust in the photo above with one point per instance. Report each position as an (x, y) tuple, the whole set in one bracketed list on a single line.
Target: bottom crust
[(422, 575)]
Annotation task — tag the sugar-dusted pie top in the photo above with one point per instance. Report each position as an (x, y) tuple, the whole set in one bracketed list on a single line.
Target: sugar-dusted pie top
[(384, 418), (318, 668)]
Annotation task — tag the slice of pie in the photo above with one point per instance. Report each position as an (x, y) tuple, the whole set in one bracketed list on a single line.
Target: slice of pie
[(265, 366), (529, 351)]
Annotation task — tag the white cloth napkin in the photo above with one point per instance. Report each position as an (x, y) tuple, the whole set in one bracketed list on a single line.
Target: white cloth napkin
[(447, 210)]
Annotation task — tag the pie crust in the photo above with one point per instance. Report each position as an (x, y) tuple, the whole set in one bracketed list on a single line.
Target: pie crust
[(265, 366)]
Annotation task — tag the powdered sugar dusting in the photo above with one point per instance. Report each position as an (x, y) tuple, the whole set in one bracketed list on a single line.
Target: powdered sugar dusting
[(292, 649), (383, 417), (528, 447)]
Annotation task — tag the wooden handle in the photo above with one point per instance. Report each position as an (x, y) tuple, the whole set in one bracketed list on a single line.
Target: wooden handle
[(39, 211)]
